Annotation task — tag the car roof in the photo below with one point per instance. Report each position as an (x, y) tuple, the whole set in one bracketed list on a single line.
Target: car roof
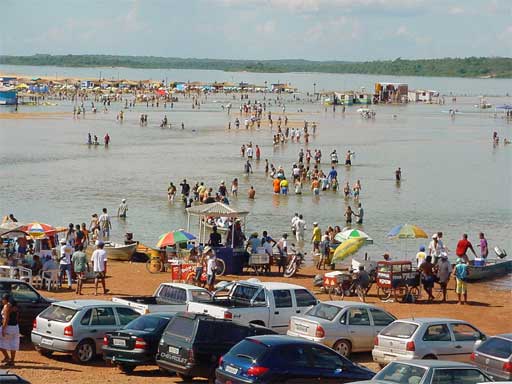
[(436, 364), (184, 286), (79, 304), (271, 285), (427, 320), (273, 340), (507, 336), (344, 304), (9, 280), (164, 315)]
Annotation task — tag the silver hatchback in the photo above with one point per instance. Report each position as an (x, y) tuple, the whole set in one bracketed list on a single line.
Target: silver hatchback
[(426, 338), (494, 356), (78, 326)]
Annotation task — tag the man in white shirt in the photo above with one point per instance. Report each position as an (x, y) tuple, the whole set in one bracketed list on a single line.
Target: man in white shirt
[(300, 227), (123, 209), (249, 151), (294, 220), (65, 262), (211, 267), (99, 265)]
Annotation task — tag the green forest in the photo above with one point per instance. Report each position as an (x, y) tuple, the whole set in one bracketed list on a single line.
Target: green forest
[(499, 67)]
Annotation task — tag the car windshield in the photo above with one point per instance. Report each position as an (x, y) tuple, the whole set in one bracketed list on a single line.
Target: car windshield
[(401, 374), (147, 323), (249, 349), (58, 313), (324, 311), (399, 329), (201, 296), (496, 346)]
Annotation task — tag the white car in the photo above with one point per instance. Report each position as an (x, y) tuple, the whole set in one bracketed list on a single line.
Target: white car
[(345, 326)]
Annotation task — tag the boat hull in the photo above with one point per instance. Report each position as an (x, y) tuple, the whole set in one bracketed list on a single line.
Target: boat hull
[(119, 252), (491, 270)]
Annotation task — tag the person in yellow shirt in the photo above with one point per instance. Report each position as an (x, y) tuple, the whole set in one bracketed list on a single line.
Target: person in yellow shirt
[(316, 238), (284, 186)]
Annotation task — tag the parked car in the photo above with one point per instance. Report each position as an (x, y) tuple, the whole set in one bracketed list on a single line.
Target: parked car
[(494, 356), (285, 359), (345, 326), (192, 343), (426, 338), (267, 304), (137, 342), (168, 297), (9, 377), (428, 372), (30, 302), (78, 327)]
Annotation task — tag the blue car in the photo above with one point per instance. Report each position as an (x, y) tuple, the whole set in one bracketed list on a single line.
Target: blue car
[(284, 359)]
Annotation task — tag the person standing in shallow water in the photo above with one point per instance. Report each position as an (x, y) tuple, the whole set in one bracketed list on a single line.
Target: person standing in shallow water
[(398, 174)]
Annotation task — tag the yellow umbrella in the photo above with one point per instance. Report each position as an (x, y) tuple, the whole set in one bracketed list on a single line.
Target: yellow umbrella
[(347, 248)]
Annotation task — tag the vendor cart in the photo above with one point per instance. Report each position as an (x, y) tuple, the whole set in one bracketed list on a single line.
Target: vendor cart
[(397, 279)]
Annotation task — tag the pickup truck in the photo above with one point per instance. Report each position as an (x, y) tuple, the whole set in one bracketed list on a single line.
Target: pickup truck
[(267, 304), (169, 297)]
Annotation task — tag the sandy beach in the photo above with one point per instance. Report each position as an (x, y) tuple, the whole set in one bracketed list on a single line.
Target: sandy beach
[(489, 310)]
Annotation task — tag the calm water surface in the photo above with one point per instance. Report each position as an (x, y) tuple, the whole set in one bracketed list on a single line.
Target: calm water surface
[(454, 180)]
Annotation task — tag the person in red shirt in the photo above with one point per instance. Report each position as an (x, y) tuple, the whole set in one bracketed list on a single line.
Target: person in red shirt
[(258, 152), (462, 247)]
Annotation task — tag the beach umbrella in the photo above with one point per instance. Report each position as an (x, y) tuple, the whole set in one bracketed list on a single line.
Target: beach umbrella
[(174, 237), (353, 234), (407, 231), (347, 248), (39, 230)]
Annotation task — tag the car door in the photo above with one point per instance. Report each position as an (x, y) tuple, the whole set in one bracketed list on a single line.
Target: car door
[(436, 340), (327, 366), (303, 300), (464, 336), (283, 309), (360, 328), (293, 364), (30, 303), (380, 320), (102, 320)]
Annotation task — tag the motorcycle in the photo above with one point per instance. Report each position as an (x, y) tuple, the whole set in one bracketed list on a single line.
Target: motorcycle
[(295, 263)]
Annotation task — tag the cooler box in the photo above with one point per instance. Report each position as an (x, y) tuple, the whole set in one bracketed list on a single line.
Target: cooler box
[(334, 278), (479, 263)]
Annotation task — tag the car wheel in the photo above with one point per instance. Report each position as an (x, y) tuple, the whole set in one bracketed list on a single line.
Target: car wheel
[(126, 368), (84, 352), (430, 357), (343, 347), (185, 377), (44, 352)]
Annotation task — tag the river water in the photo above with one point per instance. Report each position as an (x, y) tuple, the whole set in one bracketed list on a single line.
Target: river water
[(454, 180)]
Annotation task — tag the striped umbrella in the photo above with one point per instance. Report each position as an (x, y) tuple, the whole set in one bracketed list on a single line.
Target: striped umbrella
[(347, 248), (174, 237), (353, 234), (407, 231), (39, 230)]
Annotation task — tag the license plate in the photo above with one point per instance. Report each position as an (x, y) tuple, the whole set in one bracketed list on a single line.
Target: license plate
[(46, 341), (174, 350), (301, 328), (231, 370), (119, 342)]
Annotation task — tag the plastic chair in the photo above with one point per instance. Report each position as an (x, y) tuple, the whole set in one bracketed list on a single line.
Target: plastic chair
[(50, 278), (25, 274)]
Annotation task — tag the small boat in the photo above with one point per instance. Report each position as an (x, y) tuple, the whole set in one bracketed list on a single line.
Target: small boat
[(116, 251), (489, 271)]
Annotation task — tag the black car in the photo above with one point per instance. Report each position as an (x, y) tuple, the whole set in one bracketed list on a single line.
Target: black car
[(136, 343), (192, 343), (30, 302)]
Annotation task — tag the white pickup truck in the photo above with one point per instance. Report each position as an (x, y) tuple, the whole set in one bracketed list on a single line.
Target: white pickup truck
[(263, 303), (169, 297)]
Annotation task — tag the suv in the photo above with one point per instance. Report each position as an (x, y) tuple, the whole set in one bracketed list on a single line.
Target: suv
[(192, 343), (30, 302), (78, 327)]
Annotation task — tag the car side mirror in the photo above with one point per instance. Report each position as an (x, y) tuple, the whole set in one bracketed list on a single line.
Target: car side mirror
[(338, 371)]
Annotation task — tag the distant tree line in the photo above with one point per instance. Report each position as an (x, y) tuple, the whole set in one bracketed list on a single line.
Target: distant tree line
[(500, 67)]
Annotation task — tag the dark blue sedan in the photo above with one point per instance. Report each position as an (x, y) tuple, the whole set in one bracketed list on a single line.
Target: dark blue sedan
[(284, 359)]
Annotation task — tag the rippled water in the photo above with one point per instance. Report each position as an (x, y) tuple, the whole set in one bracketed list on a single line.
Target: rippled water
[(453, 178)]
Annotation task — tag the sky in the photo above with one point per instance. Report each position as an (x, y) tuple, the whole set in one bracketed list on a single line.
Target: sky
[(259, 29)]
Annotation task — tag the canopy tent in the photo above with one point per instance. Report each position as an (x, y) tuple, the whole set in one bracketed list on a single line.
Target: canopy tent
[(215, 210)]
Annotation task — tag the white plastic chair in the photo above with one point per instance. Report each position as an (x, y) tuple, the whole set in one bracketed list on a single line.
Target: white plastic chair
[(50, 278), (25, 274)]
